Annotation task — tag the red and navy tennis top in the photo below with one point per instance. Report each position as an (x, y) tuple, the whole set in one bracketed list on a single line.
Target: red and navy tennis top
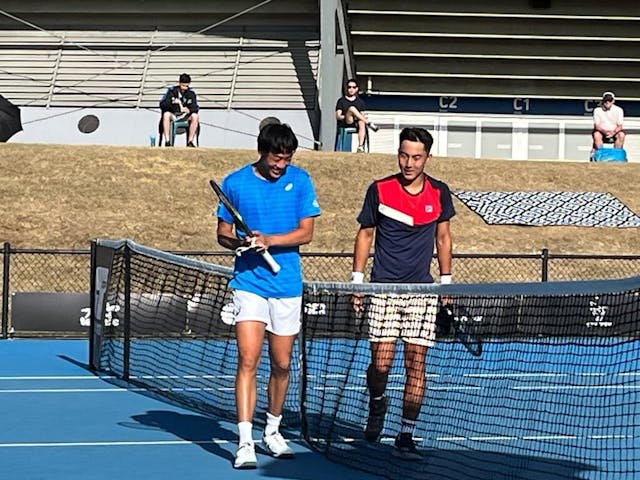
[(405, 227)]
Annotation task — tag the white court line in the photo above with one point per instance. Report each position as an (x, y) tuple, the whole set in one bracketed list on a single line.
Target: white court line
[(342, 375), (364, 387), (111, 444), (318, 388), (492, 438), (313, 376), (70, 390), (550, 437), (577, 387), (534, 438), (111, 390), (299, 439), (187, 377), (513, 375), (59, 377), (544, 375), (609, 437), (113, 377), (132, 443)]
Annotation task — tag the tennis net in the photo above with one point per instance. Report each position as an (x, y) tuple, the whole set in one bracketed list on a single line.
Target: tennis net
[(159, 323), (554, 394)]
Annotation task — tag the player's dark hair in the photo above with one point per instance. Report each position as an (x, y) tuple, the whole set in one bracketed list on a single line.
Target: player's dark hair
[(417, 134), (277, 138), (184, 78)]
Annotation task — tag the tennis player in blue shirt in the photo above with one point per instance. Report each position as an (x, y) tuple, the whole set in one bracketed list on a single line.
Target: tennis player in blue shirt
[(408, 213), (277, 201)]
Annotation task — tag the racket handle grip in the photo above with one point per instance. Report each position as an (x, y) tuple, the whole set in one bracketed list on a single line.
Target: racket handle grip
[(271, 261)]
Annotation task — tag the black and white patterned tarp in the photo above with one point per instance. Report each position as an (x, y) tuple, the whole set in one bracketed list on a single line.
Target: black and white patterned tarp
[(585, 209)]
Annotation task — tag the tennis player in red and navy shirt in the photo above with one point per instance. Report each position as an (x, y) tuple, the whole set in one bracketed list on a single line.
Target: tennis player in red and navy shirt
[(408, 213)]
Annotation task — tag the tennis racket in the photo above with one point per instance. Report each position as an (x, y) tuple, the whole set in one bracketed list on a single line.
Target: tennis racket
[(466, 328), (240, 225)]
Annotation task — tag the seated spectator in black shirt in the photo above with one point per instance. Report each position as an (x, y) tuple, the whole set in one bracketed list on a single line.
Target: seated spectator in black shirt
[(180, 103), (350, 112)]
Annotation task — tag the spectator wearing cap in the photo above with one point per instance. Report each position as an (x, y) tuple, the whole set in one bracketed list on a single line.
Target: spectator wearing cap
[(607, 123)]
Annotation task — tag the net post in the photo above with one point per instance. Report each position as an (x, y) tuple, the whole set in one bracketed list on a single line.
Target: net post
[(127, 313), (92, 306), (545, 265), (302, 339), (5, 289)]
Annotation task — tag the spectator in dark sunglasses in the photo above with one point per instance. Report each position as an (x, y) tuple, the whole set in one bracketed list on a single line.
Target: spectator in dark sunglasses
[(351, 112)]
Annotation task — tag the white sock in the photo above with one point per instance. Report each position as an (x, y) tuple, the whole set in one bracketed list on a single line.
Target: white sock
[(407, 426), (273, 424), (245, 432)]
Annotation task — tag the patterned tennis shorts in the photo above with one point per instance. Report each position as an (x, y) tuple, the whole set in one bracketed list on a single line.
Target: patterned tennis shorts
[(411, 318)]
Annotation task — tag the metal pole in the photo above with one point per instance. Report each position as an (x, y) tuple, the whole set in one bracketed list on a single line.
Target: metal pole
[(5, 290), (127, 313), (92, 305), (330, 74), (545, 264)]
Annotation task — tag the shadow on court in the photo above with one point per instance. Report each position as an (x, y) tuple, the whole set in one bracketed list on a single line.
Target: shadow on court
[(484, 465), (193, 428), (201, 430), (493, 462), (182, 399), (456, 464)]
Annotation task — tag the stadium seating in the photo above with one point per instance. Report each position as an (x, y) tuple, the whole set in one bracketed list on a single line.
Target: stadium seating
[(123, 54), (132, 68), (500, 48)]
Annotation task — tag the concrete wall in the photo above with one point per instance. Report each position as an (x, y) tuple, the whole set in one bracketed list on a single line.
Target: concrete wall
[(510, 137), (219, 128), (518, 137)]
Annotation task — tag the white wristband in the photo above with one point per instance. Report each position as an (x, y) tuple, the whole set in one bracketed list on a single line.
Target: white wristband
[(445, 279), (357, 277)]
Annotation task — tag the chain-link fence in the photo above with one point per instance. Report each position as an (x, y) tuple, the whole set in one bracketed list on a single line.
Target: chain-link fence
[(67, 271)]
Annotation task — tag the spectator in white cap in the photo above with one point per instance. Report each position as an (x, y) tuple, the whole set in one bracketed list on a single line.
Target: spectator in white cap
[(607, 123)]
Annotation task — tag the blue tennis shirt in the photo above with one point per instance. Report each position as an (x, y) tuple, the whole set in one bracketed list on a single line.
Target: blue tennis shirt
[(405, 228), (271, 208)]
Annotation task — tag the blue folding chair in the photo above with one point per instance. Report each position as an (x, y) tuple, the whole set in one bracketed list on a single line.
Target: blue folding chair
[(344, 139), (177, 127), (604, 154)]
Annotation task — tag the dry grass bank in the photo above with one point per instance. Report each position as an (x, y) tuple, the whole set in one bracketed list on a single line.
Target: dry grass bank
[(62, 196)]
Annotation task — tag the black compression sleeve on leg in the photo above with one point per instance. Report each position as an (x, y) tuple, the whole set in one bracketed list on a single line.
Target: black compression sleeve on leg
[(376, 381)]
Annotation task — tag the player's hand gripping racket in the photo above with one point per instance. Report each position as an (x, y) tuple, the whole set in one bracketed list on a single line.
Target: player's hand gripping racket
[(465, 329), (239, 223)]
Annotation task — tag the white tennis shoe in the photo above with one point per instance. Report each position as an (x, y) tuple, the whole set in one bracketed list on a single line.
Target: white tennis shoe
[(277, 446), (246, 457)]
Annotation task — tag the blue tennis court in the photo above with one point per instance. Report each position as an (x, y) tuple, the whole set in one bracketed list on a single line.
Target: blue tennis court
[(554, 394), (525, 409), (61, 422)]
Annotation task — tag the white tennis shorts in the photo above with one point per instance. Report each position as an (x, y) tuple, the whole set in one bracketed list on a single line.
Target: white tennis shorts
[(281, 315), (411, 318)]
